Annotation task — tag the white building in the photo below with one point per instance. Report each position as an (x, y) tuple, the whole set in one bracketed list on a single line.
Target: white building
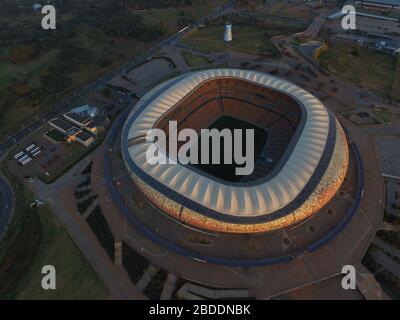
[(228, 32)]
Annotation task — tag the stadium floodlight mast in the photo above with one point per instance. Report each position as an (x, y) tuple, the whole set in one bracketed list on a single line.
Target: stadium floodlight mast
[(188, 152)]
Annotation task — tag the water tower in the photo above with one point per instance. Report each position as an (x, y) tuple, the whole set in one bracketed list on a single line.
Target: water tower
[(228, 32)]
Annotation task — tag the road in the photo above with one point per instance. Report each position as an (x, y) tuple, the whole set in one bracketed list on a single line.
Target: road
[(115, 278), (64, 105), (6, 201)]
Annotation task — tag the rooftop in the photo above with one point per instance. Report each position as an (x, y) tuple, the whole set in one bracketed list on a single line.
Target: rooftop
[(83, 136)]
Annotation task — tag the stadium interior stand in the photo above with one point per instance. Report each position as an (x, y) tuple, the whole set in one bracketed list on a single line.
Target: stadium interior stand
[(277, 113)]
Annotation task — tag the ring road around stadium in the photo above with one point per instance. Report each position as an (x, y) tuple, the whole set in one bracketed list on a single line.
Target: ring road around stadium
[(302, 153)]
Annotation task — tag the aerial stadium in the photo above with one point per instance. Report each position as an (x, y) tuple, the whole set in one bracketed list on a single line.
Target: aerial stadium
[(301, 152)]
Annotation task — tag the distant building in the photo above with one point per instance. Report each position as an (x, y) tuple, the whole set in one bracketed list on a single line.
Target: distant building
[(81, 124), (71, 131), (387, 46), (77, 119), (63, 126), (84, 138), (228, 32), (36, 7), (380, 4), (382, 43), (86, 110), (88, 118)]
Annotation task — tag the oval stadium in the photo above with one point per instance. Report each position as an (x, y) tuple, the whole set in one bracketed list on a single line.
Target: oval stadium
[(301, 151)]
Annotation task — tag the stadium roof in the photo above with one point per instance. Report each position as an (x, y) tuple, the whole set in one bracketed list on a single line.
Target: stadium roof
[(237, 200)]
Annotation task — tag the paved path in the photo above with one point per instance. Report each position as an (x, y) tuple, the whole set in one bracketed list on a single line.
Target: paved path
[(6, 201), (317, 24), (115, 278)]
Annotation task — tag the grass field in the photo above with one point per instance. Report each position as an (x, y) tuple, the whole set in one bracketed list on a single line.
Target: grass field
[(102, 231), (194, 60), (36, 238), (246, 38), (9, 71), (366, 68), (384, 115), (395, 91), (168, 18), (75, 277), (287, 9), (218, 66), (55, 135), (20, 109)]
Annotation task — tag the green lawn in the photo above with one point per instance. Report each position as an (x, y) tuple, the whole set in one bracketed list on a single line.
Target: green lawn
[(287, 9), (102, 231), (20, 109), (169, 18), (5, 78), (195, 60), (218, 66), (36, 238), (246, 38), (384, 115), (369, 69), (395, 93), (9, 71), (75, 277), (55, 135)]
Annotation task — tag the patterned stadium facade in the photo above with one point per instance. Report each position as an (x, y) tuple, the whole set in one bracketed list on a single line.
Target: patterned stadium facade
[(301, 168)]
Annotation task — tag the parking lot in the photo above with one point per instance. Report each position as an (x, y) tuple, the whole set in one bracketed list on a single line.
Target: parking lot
[(55, 157)]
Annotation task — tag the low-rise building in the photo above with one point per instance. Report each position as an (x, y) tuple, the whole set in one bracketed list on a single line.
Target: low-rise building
[(84, 138), (63, 126), (380, 4), (72, 132), (77, 119)]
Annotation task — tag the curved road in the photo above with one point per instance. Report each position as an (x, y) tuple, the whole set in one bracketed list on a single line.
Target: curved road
[(6, 200)]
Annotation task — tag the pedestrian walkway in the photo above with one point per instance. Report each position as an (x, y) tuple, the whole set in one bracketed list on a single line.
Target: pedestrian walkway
[(146, 277), (169, 287), (89, 210), (191, 291)]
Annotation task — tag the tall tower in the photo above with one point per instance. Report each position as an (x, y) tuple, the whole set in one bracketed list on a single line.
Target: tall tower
[(228, 32)]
